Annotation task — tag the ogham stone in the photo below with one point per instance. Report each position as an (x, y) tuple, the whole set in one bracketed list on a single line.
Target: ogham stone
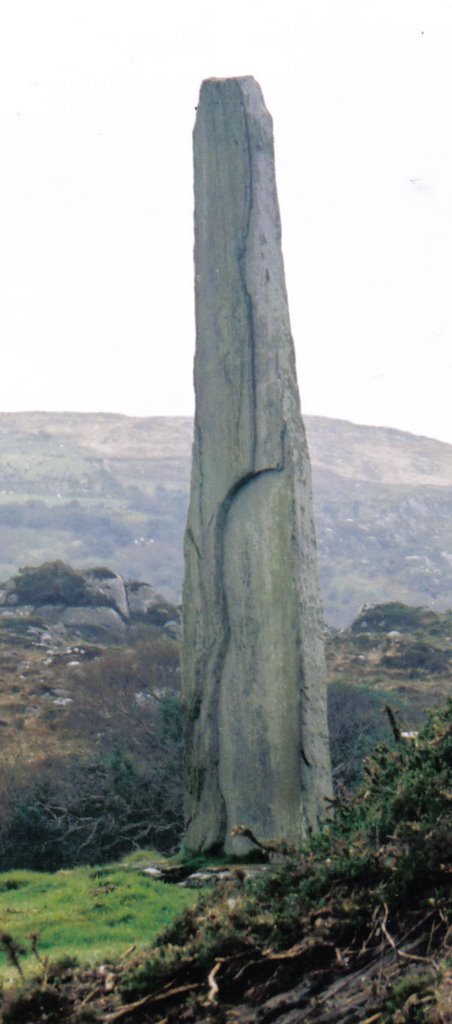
[(253, 661)]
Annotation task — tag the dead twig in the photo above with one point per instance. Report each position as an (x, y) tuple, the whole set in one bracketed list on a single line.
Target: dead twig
[(394, 726), (13, 952), (34, 937), (374, 925), (213, 987), (92, 994), (171, 993), (393, 944), (128, 952)]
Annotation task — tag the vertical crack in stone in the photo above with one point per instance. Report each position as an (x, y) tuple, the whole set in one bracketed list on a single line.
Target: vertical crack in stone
[(223, 511), (242, 255)]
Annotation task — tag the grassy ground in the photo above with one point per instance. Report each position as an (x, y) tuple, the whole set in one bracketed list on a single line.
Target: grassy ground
[(91, 913), (353, 927)]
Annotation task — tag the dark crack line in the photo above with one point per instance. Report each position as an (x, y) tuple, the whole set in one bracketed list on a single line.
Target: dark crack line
[(220, 528), (242, 254)]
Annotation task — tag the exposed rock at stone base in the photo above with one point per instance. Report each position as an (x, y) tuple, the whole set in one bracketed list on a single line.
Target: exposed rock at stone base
[(253, 660)]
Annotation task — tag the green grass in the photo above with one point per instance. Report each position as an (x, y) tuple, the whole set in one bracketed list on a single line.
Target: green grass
[(89, 913)]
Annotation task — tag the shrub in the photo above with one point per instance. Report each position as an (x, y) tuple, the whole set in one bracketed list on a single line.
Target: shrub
[(382, 618), (52, 583), (35, 1003), (357, 722), (418, 657), (125, 697), (89, 812), (128, 792)]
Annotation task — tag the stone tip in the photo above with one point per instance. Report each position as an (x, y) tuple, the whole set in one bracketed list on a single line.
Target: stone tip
[(245, 86), (230, 78)]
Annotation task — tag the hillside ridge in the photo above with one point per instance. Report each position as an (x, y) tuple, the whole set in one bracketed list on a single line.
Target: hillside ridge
[(104, 488)]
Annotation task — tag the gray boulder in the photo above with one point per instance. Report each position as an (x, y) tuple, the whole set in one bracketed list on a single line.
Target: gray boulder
[(97, 624), (108, 588)]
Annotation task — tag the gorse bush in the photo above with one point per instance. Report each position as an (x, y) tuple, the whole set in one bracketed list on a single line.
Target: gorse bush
[(410, 783)]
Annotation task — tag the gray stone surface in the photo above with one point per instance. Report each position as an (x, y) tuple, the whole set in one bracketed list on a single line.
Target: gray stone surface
[(112, 588), (95, 623), (253, 660), (141, 597)]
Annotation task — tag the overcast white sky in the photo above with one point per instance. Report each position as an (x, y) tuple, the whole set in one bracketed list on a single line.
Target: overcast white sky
[(97, 104)]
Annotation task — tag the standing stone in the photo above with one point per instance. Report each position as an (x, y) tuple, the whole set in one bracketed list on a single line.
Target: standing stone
[(253, 659)]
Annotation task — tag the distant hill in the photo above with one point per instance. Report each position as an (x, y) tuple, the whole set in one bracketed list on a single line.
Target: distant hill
[(383, 503), (102, 488)]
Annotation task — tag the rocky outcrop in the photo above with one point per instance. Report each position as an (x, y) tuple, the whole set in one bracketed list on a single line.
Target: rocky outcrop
[(253, 662), (96, 604)]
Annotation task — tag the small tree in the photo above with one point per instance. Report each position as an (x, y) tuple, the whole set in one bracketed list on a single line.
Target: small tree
[(357, 722)]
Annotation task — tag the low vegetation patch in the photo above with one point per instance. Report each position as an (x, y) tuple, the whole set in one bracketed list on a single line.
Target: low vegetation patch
[(86, 915)]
